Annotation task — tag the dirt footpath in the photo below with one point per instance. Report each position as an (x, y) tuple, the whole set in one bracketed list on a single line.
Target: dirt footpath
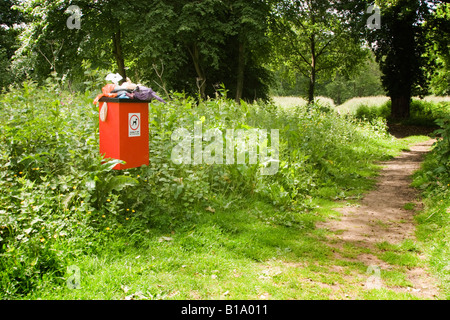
[(387, 214)]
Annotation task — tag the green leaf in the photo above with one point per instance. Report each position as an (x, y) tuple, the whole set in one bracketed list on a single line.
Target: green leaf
[(118, 183)]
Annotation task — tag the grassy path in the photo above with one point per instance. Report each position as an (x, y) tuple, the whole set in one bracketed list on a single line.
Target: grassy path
[(381, 229)]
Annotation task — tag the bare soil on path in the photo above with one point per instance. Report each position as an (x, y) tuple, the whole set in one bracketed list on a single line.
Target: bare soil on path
[(386, 214)]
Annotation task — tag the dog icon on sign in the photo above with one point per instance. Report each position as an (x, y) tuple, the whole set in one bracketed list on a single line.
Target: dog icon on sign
[(134, 124)]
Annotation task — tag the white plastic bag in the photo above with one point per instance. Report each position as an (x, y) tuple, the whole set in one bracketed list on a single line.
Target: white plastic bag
[(114, 78)]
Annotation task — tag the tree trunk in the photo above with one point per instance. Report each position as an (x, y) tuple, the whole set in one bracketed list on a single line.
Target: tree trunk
[(400, 108), (312, 84), (312, 78), (201, 78), (338, 98), (240, 72), (118, 54)]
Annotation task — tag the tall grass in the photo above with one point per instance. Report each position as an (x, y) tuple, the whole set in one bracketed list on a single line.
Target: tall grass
[(423, 111), (437, 99), (352, 105), (292, 102)]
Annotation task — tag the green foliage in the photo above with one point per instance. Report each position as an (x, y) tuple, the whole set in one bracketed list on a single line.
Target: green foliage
[(195, 48), (442, 148), (423, 112), (55, 186), (370, 113), (315, 39), (169, 44), (8, 40), (48, 45), (438, 33), (364, 83), (433, 223)]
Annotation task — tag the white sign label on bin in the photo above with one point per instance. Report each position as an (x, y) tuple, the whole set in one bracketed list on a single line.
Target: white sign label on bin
[(134, 125)]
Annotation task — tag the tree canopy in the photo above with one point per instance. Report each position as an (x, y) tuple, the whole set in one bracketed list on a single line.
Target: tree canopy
[(316, 38), (245, 46)]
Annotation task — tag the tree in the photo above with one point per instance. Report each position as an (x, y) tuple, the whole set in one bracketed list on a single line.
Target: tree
[(399, 47), (249, 20), (204, 44), (365, 82), (438, 49), (49, 45), (9, 30), (316, 38), (201, 30)]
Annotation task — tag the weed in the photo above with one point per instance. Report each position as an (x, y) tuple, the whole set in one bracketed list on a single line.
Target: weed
[(409, 206)]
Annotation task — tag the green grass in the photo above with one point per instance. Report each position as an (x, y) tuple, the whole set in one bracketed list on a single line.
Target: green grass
[(405, 254), (409, 206), (246, 251), (210, 254), (234, 254), (434, 222), (395, 278), (403, 259)]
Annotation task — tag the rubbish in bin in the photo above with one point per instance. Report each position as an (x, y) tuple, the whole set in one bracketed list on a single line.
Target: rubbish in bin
[(144, 93), (106, 92), (114, 78), (123, 96), (126, 90)]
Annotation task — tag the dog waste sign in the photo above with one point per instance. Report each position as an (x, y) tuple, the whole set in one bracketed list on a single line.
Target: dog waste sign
[(134, 125)]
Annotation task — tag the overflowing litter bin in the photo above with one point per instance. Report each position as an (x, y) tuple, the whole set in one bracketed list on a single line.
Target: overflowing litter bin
[(123, 117)]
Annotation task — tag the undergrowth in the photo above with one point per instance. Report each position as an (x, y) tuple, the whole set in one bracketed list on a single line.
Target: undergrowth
[(434, 181), (422, 112)]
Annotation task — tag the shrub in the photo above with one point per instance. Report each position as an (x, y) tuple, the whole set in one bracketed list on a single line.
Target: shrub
[(422, 112), (442, 148), (365, 112)]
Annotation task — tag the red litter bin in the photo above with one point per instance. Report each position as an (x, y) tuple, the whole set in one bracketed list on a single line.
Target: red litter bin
[(124, 132)]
